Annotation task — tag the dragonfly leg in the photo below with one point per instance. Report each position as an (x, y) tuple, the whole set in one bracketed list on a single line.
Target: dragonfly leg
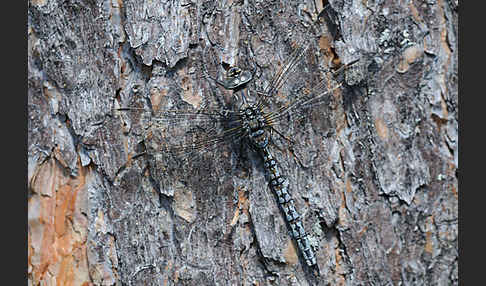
[(215, 79), (139, 154), (283, 136), (345, 66), (206, 73), (290, 148)]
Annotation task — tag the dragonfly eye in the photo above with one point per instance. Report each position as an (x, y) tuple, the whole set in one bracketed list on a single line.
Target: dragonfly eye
[(233, 71)]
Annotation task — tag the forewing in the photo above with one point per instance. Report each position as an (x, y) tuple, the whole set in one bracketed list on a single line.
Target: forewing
[(183, 134), (304, 104), (188, 134), (286, 69)]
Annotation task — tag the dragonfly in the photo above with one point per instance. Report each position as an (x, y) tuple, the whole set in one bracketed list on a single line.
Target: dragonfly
[(250, 121)]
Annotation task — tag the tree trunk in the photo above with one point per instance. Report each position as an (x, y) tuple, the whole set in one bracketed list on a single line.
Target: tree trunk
[(372, 168)]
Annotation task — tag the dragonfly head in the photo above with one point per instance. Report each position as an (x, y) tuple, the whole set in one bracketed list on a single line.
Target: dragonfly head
[(233, 71), (237, 77)]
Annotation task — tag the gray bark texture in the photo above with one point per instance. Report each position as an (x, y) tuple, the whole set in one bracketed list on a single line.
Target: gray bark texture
[(372, 169)]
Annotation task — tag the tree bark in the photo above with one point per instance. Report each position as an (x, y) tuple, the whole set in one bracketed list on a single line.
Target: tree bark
[(373, 171)]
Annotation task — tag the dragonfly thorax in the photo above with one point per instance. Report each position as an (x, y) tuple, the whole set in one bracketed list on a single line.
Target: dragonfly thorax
[(254, 123)]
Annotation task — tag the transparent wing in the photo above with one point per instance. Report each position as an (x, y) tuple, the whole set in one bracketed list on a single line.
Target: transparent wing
[(305, 38), (321, 94), (303, 120), (186, 133), (194, 139), (175, 116), (290, 63)]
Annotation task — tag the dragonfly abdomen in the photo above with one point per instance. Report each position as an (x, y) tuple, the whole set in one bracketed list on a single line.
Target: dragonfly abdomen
[(279, 185)]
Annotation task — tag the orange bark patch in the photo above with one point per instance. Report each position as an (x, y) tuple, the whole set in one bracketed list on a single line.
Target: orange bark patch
[(349, 188), (415, 13), (328, 51), (184, 204), (189, 95), (156, 96), (409, 56), (63, 197), (428, 242), (454, 191), (38, 2), (381, 129), (339, 268), (289, 253), (428, 236), (443, 105), (56, 251), (242, 204), (342, 213), (443, 34), (66, 271)]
